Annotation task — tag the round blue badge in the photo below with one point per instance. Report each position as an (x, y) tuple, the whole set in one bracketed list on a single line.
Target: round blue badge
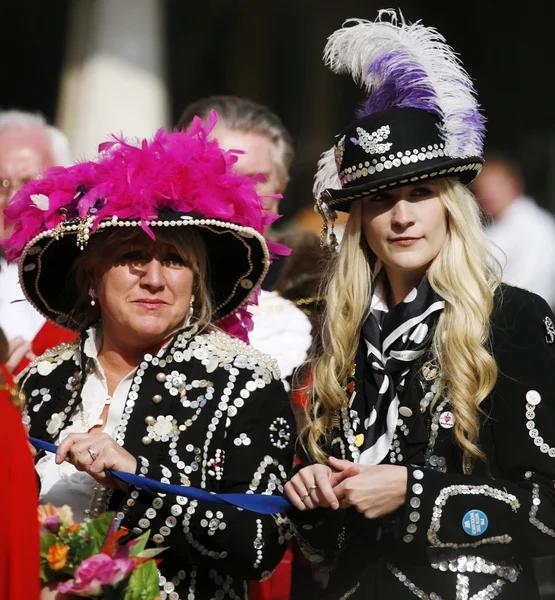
[(475, 522)]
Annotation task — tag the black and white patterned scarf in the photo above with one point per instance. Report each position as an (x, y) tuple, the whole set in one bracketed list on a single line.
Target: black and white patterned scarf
[(403, 337)]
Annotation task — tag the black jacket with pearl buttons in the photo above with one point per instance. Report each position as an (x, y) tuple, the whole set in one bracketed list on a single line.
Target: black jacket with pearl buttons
[(459, 536), (209, 412)]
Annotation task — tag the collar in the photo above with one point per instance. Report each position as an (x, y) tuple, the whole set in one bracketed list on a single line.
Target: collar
[(93, 342), (378, 302)]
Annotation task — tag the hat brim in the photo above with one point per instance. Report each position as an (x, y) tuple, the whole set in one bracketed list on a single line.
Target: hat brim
[(238, 260), (465, 169)]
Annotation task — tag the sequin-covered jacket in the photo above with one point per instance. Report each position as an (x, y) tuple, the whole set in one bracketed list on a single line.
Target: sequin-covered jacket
[(209, 412), (459, 536)]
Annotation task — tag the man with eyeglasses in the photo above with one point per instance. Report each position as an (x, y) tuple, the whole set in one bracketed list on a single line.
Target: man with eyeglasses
[(28, 146)]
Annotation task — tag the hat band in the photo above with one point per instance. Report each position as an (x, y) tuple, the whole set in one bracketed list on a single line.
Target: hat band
[(385, 163)]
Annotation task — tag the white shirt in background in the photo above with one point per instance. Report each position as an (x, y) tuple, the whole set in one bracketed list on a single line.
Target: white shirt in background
[(18, 317), (524, 243), (282, 331)]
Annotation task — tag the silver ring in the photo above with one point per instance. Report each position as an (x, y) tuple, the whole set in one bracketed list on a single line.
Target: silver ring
[(303, 498), (93, 454), (312, 488)]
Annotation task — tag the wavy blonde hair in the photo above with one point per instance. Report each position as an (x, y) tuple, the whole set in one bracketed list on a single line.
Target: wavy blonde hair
[(464, 274)]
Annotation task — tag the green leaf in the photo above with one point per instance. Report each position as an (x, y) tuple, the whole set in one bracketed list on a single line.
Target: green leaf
[(46, 540), (46, 573), (143, 583), (150, 552), (139, 543), (98, 529)]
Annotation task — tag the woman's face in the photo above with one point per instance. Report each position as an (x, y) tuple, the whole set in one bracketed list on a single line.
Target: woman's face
[(144, 291), (405, 227)]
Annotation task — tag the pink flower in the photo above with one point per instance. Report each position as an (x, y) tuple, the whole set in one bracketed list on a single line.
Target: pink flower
[(51, 523), (96, 571)]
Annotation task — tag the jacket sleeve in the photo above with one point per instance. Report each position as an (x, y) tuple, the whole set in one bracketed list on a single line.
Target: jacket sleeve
[(256, 456), (514, 514), (319, 532)]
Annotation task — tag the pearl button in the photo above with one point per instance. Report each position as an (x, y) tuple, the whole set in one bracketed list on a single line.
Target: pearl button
[(157, 399), (146, 440), (161, 377), (150, 420), (405, 411), (533, 397)]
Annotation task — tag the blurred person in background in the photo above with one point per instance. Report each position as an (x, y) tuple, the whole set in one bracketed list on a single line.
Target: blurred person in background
[(280, 328), (300, 276), (28, 146), (522, 232)]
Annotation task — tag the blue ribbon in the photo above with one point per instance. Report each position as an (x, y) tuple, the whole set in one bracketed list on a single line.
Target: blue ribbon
[(259, 503)]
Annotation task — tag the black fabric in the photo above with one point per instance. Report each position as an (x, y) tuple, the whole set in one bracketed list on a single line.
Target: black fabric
[(358, 550), (403, 337), (202, 561)]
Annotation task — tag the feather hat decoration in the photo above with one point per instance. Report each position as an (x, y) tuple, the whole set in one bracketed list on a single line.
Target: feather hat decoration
[(174, 180), (420, 119)]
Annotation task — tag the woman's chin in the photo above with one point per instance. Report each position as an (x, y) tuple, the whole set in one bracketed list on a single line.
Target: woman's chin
[(150, 329), (409, 266)]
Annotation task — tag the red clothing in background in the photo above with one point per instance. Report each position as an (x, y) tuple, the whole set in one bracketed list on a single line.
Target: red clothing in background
[(48, 336), (19, 550)]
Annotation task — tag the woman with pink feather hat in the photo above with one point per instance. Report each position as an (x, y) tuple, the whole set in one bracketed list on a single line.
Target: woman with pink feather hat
[(152, 252)]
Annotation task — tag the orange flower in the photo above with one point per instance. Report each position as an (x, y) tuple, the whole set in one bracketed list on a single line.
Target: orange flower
[(57, 556), (74, 528)]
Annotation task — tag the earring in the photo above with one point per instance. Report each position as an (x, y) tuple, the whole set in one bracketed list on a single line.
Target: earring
[(191, 310), (329, 216), (92, 295)]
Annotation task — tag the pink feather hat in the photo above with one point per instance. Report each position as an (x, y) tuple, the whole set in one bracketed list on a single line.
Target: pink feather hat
[(174, 180)]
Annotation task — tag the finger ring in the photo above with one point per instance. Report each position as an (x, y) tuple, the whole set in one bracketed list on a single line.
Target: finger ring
[(303, 498), (312, 488), (93, 454)]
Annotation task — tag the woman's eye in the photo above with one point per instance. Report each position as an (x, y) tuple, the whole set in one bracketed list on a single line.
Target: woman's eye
[(421, 192), (378, 198), (174, 259), (133, 256)]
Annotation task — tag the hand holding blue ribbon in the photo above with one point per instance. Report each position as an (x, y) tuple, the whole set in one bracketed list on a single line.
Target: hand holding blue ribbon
[(259, 503)]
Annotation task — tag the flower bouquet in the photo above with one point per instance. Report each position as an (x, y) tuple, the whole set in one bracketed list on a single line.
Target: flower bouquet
[(91, 560)]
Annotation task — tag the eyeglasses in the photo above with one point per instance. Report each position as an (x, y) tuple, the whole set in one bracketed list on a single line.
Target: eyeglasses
[(8, 187)]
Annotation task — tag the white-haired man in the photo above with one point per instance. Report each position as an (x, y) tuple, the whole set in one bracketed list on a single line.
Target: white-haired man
[(28, 146)]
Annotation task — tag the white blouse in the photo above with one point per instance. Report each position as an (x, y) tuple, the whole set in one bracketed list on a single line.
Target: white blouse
[(64, 484)]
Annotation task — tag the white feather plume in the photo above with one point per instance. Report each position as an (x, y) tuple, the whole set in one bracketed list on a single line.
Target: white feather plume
[(356, 46), (326, 175)]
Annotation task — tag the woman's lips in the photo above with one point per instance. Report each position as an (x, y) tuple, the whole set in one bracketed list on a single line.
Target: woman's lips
[(405, 241), (150, 304)]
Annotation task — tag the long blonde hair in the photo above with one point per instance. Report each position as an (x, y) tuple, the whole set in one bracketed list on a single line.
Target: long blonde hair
[(464, 274)]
